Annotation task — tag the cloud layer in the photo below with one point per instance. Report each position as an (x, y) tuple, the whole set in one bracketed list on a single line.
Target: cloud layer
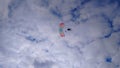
[(29, 34)]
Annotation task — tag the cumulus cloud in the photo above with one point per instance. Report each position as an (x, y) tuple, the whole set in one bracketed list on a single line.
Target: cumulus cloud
[(29, 34)]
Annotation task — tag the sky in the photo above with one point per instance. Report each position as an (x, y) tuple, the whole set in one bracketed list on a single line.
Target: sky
[(29, 34)]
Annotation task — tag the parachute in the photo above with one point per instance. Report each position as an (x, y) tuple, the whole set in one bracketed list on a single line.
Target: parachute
[(61, 26)]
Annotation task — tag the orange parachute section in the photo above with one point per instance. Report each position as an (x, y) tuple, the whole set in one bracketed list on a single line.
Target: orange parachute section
[(61, 32)]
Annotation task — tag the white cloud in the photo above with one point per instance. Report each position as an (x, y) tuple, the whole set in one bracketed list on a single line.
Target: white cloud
[(32, 33)]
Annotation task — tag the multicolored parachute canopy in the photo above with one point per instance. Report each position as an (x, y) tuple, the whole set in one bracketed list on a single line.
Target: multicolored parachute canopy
[(61, 26)]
